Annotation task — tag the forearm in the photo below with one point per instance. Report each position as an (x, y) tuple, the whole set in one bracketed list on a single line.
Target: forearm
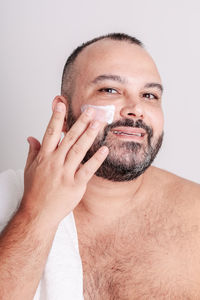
[(24, 247), (54, 184)]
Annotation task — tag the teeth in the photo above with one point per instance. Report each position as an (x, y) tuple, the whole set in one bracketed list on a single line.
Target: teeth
[(124, 133)]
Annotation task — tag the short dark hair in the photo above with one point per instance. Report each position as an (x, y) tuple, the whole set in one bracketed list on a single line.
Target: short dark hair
[(67, 76)]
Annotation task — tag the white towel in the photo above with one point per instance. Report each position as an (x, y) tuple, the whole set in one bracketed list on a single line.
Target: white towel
[(62, 278)]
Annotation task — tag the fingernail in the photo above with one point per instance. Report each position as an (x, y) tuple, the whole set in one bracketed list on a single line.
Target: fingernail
[(59, 107), (103, 150)]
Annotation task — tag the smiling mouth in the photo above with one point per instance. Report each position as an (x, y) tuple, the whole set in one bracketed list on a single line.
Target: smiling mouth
[(128, 134)]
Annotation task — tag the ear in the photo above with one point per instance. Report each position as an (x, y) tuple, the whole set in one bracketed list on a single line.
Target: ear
[(64, 100)]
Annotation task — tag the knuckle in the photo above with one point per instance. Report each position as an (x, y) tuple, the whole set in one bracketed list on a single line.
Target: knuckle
[(98, 158), (67, 179), (53, 164), (39, 158), (90, 133), (57, 115), (77, 149), (71, 136), (46, 164), (86, 173), (50, 130), (84, 119)]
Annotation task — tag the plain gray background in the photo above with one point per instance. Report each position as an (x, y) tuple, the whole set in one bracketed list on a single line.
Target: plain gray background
[(37, 36)]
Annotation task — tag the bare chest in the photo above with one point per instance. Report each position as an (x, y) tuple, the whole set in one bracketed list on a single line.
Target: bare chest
[(159, 263)]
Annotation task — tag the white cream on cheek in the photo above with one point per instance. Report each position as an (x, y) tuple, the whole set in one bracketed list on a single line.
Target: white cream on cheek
[(104, 113)]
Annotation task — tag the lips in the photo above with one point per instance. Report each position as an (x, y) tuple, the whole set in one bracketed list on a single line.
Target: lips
[(129, 131)]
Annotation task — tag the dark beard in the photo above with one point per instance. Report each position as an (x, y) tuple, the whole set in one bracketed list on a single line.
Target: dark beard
[(127, 166)]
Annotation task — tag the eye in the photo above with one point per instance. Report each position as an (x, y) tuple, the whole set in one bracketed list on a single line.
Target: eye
[(108, 90), (150, 96)]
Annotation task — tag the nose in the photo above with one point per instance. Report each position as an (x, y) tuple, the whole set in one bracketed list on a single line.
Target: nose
[(132, 111)]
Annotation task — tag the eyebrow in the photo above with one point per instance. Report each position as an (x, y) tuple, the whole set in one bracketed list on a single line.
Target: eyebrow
[(154, 85), (109, 77), (120, 79)]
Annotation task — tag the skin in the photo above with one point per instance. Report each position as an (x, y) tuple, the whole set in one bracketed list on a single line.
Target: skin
[(111, 57), (51, 173), (126, 206), (160, 205)]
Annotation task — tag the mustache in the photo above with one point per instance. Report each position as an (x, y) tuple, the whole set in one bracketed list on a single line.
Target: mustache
[(131, 123)]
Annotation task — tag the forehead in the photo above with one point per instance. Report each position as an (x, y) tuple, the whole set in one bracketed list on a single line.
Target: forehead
[(117, 57)]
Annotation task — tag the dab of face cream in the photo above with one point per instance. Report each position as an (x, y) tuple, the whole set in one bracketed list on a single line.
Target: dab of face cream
[(103, 112)]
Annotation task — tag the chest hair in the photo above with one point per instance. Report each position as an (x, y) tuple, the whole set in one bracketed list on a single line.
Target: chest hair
[(152, 262)]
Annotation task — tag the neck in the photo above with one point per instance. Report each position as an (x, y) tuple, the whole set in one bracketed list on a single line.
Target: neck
[(105, 201)]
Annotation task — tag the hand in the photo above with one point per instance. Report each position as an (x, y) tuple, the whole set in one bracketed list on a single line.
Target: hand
[(55, 182)]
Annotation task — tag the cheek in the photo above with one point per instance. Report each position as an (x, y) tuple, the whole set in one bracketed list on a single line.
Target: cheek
[(155, 119), (77, 101)]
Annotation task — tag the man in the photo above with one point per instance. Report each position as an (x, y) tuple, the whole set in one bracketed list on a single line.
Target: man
[(137, 226)]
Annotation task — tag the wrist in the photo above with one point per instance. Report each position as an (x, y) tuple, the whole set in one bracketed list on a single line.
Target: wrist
[(42, 218)]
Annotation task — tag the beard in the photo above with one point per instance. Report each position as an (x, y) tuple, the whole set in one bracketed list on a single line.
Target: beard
[(126, 160)]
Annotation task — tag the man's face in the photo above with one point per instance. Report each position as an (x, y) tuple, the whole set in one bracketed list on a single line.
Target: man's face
[(124, 75)]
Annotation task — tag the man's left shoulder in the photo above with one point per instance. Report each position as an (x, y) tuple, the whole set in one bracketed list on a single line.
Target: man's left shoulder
[(175, 185)]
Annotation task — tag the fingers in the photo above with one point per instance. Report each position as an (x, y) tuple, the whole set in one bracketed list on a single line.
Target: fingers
[(34, 147), (74, 134), (86, 171), (79, 149), (54, 129)]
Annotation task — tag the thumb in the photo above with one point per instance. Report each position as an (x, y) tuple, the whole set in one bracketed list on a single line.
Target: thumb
[(34, 147)]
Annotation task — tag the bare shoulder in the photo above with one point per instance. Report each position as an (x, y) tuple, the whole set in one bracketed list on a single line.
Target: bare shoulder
[(175, 185), (178, 193), (179, 200)]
